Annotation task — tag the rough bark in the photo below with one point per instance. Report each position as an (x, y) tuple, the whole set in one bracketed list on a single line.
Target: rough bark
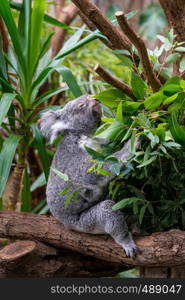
[(138, 42), (164, 249), (94, 14), (175, 12), (117, 83), (25, 258)]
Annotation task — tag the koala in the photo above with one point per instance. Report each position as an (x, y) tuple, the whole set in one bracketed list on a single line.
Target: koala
[(92, 211)]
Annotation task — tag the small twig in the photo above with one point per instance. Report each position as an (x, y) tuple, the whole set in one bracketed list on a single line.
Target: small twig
[(140, 46), (117, 83)]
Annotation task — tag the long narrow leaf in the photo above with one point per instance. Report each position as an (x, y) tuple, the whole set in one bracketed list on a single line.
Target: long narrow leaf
[(177, 131), (6, 157), (40, 181), (67, 50), (48, 19), (41, 149), (48, 95), (5, 103), (6, 14), (39, 206), (55, 22), (42, 77), (24, 25), (69, 78), (25, 193), (3, 71), (36, 28)]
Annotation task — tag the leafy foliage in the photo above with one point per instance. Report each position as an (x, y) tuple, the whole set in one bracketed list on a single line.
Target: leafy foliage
[(151, 184)]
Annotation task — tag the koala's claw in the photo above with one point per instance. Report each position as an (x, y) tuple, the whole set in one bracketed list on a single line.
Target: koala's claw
[(130, 249)]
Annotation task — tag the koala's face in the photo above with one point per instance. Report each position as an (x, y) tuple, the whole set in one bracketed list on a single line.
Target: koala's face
[(82, 115)]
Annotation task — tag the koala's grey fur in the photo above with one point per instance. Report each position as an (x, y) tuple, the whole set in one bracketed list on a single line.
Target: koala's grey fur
[(92, 213)]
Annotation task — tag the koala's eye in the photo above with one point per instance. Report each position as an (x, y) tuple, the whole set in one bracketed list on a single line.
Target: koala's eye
[(82, 105)]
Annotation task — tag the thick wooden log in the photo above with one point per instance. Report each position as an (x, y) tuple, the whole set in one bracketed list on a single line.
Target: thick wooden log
[(23, 258), (164, 249)]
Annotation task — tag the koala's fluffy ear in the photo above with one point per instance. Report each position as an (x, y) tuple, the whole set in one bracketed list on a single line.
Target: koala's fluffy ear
[(51, 124)]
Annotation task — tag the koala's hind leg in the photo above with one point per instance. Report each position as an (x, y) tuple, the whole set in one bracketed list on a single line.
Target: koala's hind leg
[(101, 219)]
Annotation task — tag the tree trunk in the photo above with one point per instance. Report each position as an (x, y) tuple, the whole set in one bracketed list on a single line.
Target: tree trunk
[(175, 12)]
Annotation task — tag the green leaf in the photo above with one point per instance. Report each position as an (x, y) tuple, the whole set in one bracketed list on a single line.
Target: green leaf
[(39, 206), (129, 131), (172, 88), (45, 45), (6, 14), (42, 77), (143, 120), (73, 43), (25, 193), (124, 60), (5, 103), (70, 79), (119, 112), (124, 203), (180, 49), (138, 86), (48, 95), (111, 132), (167, 44), (182, 84), (39, 142), (147, 162), (68, 201), (40, 181), (103, 172), (36, 28), (6, 157), (142, 213), (182, 65), (172, 58), (154, 101), (176, 130), (170, 99), (95, 155), (24, 26), (55, 22), (3, 70), (44, 210), (130, 107), (60, 174), (110, 97), (65, 190)]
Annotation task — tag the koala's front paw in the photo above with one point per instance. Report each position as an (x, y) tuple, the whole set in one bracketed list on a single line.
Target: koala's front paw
[(129, 246)]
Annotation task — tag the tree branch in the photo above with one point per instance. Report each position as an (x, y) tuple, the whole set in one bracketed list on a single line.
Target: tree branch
[(140, 46), (95, 16), (109, 78), (158, 249)]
